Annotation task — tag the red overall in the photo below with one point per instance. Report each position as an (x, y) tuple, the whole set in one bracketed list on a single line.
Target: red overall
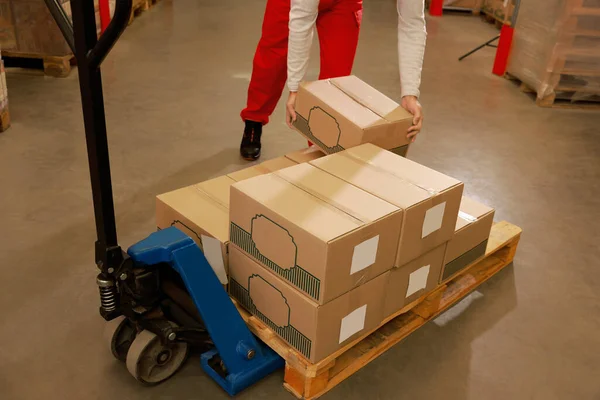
[(338, 25)]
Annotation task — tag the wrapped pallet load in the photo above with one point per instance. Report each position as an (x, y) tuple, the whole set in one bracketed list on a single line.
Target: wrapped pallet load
[(555, 49)]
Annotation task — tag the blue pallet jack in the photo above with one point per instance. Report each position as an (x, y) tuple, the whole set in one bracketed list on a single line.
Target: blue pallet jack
[(161, 298)]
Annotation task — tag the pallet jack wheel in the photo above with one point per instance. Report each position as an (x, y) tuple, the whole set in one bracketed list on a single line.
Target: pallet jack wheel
[(119, 333), (151, 362)]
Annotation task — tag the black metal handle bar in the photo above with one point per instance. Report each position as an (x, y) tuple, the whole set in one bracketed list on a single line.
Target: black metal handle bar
[(100, 50), (82, 37)]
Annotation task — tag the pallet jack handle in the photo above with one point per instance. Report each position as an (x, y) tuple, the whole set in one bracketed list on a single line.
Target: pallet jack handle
[(90, 51), (239, 358)]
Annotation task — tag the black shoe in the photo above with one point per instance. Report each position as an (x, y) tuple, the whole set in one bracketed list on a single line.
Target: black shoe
[(250, 147)]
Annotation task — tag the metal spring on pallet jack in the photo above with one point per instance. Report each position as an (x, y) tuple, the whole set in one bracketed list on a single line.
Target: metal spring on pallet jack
[(108, 294)]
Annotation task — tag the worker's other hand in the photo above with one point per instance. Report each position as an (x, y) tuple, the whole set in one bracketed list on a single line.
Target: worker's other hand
[(412, 105), (290, 109)]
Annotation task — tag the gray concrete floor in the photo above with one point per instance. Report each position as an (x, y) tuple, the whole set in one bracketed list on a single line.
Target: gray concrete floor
[(174, 86)]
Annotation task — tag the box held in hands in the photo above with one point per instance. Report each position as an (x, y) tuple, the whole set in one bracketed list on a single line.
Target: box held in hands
[(341, 113)]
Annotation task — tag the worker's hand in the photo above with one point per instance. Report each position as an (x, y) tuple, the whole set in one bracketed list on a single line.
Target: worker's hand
[(290, 109), (412, 105)]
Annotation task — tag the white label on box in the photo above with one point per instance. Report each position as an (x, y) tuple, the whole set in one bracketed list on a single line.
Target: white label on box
[(364, 254), (353, 322), (417, 280), (214, 256), (433, 219)]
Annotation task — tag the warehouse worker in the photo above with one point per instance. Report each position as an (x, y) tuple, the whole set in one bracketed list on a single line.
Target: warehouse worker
[(283, 53)]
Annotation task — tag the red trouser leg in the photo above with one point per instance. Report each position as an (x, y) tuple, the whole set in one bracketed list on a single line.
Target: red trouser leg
[(269, 68), (338, 27)]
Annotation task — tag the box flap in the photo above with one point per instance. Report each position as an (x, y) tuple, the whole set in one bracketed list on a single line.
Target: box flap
[(371, 98), (217, 189), (277, 163), (375, 181), (200, 209), (262, 168), (346, 106), (305, 155), (337, 192), (470, 211), (304, 210), (246, 173), (415, 173)]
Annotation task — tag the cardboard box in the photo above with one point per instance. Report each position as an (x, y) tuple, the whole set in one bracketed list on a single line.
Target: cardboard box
[(341, 113), (305, 155), (314, 230), (430, 199), (202, 211), (470, 237), (314, 330), (413, 280), (262, 168)]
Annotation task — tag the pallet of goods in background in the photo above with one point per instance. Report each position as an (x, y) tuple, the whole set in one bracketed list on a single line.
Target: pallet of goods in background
[(30, 38), (464, 5), (556, 52), (498, 11)]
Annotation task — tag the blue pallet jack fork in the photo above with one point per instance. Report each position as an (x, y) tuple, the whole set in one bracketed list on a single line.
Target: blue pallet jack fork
[(161, 298)]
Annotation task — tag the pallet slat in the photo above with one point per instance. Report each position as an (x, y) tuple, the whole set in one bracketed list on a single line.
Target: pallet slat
[(306, 380), (564, 94)]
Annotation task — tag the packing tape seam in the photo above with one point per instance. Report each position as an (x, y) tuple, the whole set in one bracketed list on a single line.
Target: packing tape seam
[(432, 192), (355, 99), (306, 190), (211, 197)]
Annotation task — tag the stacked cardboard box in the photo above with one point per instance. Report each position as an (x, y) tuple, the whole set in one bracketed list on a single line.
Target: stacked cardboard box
[(322, 248), (202, 210), (324, 251)]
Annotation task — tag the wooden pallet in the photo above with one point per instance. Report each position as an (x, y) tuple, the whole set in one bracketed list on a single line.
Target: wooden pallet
[(491, 19), (563, 95), (57, 66), (473, 11), (139, 6), (496, 13), (306, 380)]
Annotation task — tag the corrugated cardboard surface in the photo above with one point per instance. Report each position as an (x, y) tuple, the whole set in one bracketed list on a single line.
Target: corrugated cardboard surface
[(319, 233), (305, 155), (341, 113), (430, 200), (468, 244), (202, 210), (198, 210), (262, 168), (314, 330), (413, 280)]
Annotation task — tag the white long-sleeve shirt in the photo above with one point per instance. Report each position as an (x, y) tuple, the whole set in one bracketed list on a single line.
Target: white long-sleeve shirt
[(411, 42)]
